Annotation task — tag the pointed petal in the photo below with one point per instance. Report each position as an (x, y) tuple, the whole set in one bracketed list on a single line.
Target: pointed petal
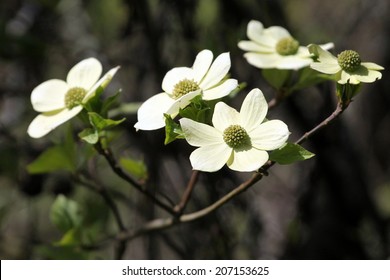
[(85, 73), (253, 110), (327, 68), (103, 82), (217, 71), (247, 161), (202, 64), (263, 60), (372, 66), (182, 102), (46, 122), (270, 135), (210, 158), (224, 116), (254, 47), (199, 134), (323, 55), (49, 96), (221, 90), (151, 113), (327, 46)]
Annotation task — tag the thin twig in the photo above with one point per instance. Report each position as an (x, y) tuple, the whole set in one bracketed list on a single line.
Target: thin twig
[(179, 208), (118, 170)]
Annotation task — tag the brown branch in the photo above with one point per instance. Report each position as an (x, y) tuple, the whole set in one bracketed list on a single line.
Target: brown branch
[(106, 153), (179, 208)]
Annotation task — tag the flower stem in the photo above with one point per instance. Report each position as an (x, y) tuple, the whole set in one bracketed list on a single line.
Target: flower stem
[(179, 208)]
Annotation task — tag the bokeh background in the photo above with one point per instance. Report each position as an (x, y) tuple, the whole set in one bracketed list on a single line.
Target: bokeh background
[(334, 206)]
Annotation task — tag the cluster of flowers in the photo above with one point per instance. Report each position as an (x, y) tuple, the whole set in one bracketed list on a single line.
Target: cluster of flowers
[(241, 140)]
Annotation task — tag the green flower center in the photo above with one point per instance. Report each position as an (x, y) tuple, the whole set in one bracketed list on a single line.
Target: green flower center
[(74, 97), (183, 87), (287, 46), (236, 137), (349, 60)]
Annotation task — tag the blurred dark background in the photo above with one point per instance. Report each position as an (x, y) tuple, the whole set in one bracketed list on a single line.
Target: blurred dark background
[(334, 206)]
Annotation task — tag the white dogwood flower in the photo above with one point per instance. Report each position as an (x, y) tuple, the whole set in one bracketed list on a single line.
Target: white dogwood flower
[(59, 101), (347, 67), (274, 47), (239, 139), (182, 84)]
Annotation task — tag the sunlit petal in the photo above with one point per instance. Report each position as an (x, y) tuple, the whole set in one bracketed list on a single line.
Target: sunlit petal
[(49, 96), (85, 73), (46, 122), (247, 161), (151, 113), (221, 90), (199, 134), (202, 64), (270, 135), (217, 71), (224, 116), (253, 110), (210, 158)]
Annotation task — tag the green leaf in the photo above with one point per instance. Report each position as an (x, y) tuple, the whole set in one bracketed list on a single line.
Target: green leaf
[(109, 103), (309, 77), (172, 130), (89, 135), (70, 238), (276, 77), (135, 167), (65, 214), (101, 123), (290, 153), (53, 159)]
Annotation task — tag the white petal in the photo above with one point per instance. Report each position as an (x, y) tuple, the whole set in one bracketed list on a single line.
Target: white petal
[(277, 33), (181, 103), (224, 116), (327, 46), (49, 96), (46, 122), (293, 62), (254, 30), (270, 135), (327, 68), (253, 110), (372, 66), (202, 64), (254, 47), (151, 113), (85, 73), (345, 77), (175, 75), (103, 82), (199, 134), (210, 158), (217, 71), (323, 55), (263, 60), (247, 161), (221, 90)]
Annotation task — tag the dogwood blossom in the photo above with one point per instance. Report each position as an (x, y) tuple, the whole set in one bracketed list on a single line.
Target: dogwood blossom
[(239, 139), (58, 100), (274, 47), (347, 67), (182, 84)]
